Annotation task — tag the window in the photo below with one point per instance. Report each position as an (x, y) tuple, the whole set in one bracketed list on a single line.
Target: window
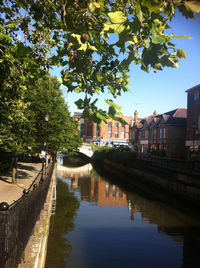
[(109, 130), (113, 190), (154, 133), (146, 134), (120, 193), (140, 135), (163, 132), (196, 94), (97, 130), (116, 130), (122, 132), (160, 132), (107, 189)]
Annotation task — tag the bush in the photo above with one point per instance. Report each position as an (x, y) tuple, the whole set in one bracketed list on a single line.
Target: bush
[(125, 158)]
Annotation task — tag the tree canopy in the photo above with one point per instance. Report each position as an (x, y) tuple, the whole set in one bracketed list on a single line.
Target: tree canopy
[(26, 131), (78, 35), (60, 132)]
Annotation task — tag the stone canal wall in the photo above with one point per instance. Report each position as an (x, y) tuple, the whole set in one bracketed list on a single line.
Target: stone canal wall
[(184, 186), (35, 252)]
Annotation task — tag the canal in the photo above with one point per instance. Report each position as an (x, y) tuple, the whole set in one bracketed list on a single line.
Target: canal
[(101, 223)]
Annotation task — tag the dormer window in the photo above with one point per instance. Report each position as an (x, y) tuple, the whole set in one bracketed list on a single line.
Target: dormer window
[(196, 94)]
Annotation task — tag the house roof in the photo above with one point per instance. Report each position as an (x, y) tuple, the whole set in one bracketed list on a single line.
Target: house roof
[(175, 117), (193, 88)]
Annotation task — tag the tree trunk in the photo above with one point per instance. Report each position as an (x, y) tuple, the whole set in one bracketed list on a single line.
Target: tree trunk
[(14, 170)]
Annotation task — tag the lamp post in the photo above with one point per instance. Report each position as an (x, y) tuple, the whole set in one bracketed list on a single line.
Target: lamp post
[(46, 119)]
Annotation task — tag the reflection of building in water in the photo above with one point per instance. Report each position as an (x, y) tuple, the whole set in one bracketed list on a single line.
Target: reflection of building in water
[(96, 190), (172, 223)]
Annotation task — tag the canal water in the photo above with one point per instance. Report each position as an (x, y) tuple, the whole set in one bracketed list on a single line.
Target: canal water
[(100, 223)]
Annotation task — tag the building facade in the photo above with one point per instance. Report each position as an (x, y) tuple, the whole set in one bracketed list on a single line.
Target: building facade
[(162, 135), (193, 121), (110, 133)]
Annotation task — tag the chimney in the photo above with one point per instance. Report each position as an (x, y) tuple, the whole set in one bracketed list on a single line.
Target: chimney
[(154, 113), (135, 117)]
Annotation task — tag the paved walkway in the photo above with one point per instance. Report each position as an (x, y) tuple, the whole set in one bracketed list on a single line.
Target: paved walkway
[(26, 173)]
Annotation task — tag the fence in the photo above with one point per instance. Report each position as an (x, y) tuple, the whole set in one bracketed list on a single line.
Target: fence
[(188, 167), (17, 223)]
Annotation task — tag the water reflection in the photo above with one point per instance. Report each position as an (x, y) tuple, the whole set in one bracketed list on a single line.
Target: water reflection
[(59, 248), (116, 227)]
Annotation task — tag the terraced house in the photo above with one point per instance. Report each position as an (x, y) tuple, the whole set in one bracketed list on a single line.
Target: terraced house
[(162, 134), (193, 121)]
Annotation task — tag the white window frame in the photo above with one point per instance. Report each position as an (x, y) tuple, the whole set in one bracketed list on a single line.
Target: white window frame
[(116, 130), (122, 131), (110, 130)]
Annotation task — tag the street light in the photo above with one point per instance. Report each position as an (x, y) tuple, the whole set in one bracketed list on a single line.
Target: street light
[(45, 139)]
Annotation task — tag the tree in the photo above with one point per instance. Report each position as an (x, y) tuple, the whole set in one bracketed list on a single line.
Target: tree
[(76, 35), (61, 133)]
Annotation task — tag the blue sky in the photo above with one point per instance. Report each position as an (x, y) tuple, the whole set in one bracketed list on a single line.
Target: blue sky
[(162, 91)]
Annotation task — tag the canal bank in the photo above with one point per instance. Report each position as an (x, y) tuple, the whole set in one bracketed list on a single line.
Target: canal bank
[(35, 252), (178, 184)]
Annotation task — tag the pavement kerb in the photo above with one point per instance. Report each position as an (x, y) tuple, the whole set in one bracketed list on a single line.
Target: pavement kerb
[(43, 248)]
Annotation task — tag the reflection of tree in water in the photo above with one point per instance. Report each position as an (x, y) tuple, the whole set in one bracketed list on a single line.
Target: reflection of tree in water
[(58, 248)]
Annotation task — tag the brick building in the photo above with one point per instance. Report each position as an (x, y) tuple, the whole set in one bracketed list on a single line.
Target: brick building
[(193, 121), (99, 191), (78, 117), (162, 134), (110, 133)]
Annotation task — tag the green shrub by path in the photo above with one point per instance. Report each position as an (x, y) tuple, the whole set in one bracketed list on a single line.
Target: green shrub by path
[(128, 159)]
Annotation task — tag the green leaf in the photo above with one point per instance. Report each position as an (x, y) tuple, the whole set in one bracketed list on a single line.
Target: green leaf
[(181, 53), (10, 24), (152, 5), (157, 39), (79, 103), (117, 17), (111, 103), (181, 36), (111, 111), (139, 12), (114, 28), (100, 76), (5, 36), (157, 36), (91, 47)]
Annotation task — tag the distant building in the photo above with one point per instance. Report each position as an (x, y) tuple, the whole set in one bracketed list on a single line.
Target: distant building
[(112, 133), (162, 134), (193, 121), (78, 117)]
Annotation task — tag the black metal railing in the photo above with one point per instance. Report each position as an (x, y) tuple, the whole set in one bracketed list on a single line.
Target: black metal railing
[(18, 221), (179, 165)]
